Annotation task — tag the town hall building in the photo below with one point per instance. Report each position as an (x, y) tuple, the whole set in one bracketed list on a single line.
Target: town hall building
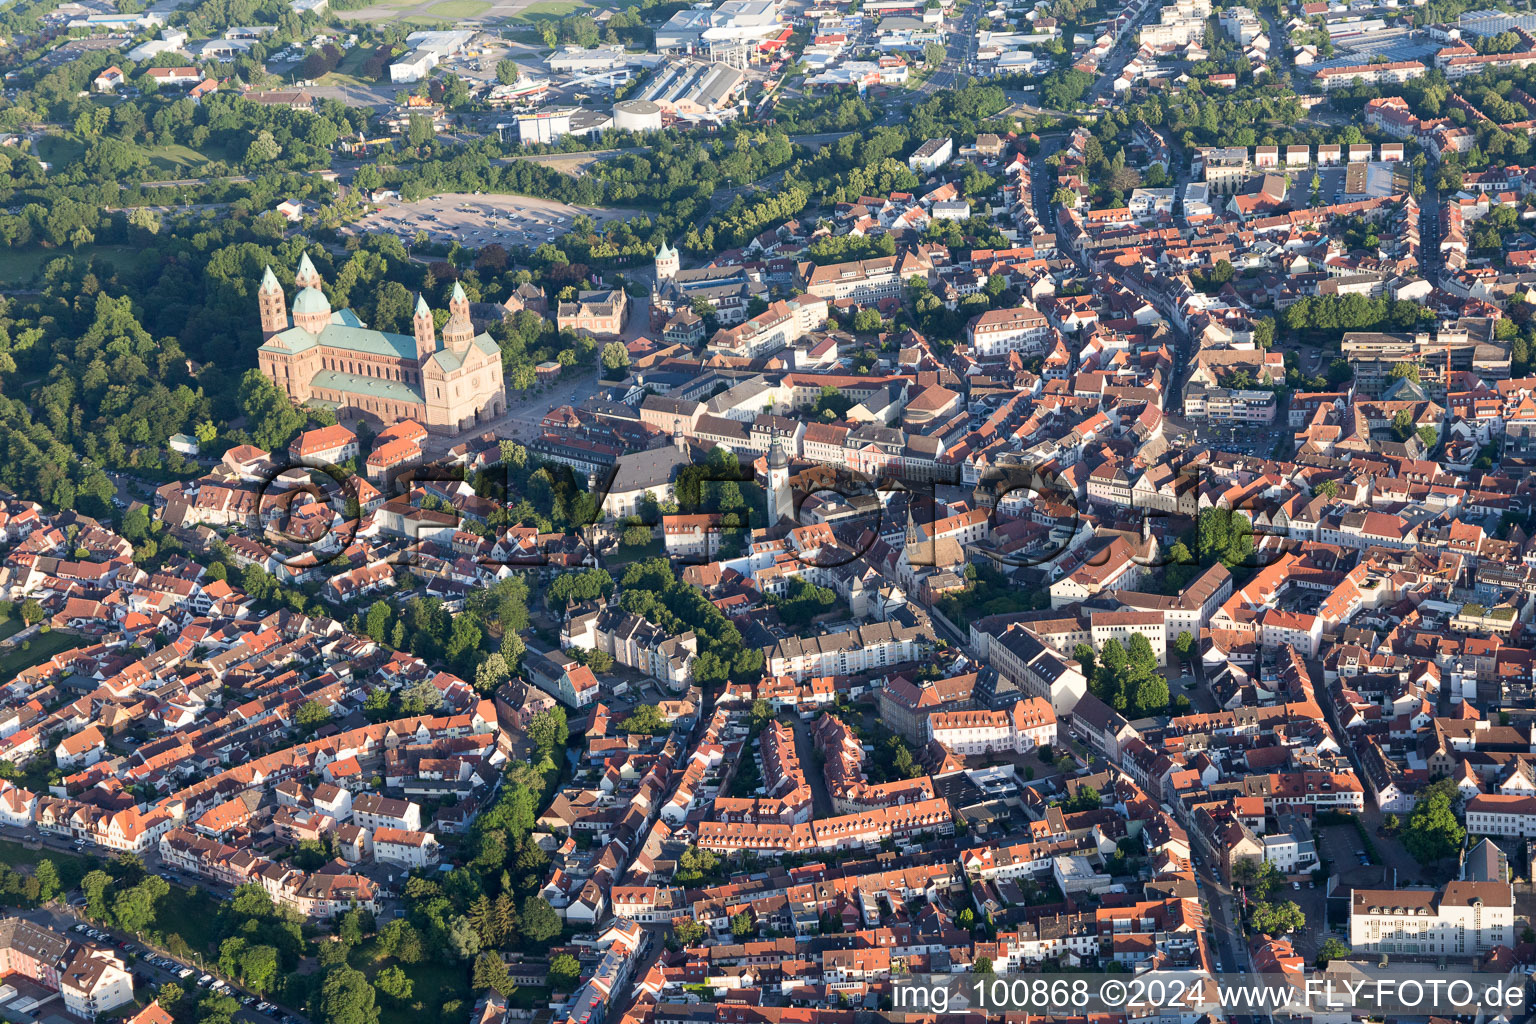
[(448, 384)]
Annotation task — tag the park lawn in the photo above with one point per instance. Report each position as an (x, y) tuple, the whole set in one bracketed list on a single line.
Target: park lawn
[(21, 267), (60, 150), (43, 646), (174, 157), (71, 868)]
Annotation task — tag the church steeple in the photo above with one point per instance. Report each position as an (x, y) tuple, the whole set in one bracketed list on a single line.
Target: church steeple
[(780, 501), (426, 331), (459, 331), (272, 304), (668, 263), (307, 276)]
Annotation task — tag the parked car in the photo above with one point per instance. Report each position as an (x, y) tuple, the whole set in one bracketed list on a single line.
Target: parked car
[(184, 973)]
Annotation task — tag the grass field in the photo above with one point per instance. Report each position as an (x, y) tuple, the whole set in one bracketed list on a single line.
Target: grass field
[(545, 10), (40, 649), (350, 70), (71, 868), (60, 150), (20, 266), (174, 158), (625, 553), (458, 8)]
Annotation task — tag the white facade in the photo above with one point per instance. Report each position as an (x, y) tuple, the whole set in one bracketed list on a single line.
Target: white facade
[(1502, 815), (931, 155), (998, 332), (1029, 725), (408, 849), (1464, 919)]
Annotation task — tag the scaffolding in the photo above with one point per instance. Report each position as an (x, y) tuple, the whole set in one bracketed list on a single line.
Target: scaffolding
[(736, 54)]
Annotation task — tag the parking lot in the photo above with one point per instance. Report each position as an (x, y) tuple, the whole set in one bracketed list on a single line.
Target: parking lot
[(479, 220)]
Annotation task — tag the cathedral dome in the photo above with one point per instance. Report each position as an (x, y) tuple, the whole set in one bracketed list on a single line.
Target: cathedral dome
[(311, 300)]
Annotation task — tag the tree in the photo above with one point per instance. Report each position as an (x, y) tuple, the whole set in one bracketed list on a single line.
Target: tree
[(565, 970), (506, 72), (31, 611), (742, 925), (395, 983), (491, 673), (1433, 831), (490, 972), (419, 130), (1278, 918), (47, 877), (258, 968), (263, 149), (646, 719), (311, 715), (1152, 696), (463, 941), (540, 922), (1184, 644), (169, 995), (615, 356), (981, 965), (1331, 949), (687, 931), (347, 998), (549, 730), (867, 321), (401, 940)]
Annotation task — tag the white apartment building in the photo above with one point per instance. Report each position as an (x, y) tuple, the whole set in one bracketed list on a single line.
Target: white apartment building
[(1241, 24), (406, 848), (1394, 73), (998, 332), (782, 324), (850, 652), (1464, 919), (863, 281), (1497, 814), (1289, 852), (372, 811), (1145, 203), (1030, 724)]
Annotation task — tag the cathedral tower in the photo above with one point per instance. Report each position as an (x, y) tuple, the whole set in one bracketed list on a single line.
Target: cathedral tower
[(458, 332), (426, 332), (306, 276), (273, 306)]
